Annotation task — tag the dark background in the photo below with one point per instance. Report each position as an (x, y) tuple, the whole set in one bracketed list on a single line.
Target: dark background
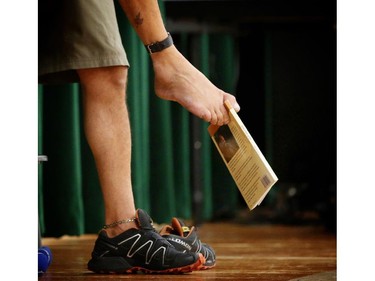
[(286, 87)]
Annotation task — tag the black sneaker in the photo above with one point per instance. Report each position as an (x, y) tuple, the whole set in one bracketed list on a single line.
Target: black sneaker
[(186, 240), (140, 250)]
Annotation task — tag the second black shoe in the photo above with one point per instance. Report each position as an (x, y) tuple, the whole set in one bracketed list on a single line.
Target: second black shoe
[(186, 240)]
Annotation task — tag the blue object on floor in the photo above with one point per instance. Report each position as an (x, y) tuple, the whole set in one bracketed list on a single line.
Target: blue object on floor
[(44, 259)]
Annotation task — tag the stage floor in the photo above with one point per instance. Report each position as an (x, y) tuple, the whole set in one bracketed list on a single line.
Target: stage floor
[(244, 252)]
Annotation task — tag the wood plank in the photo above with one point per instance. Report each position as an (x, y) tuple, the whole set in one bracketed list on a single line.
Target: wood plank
[(244, 252)]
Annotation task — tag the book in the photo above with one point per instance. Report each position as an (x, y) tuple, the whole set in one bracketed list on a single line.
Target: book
[(247, 165)]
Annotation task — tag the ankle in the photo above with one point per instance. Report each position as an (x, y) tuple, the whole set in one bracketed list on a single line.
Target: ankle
[(117, 230), (118, 227)]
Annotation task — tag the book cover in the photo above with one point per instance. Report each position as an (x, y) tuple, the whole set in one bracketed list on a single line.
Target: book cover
[(247, 165)]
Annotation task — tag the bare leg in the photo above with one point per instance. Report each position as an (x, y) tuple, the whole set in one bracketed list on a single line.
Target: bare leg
[(176, 79), (107, 128)]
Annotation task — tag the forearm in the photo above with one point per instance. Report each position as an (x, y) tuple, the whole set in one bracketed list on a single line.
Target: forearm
[(146, 19)]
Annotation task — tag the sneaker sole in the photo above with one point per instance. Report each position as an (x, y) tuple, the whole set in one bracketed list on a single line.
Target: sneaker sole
[(204, 267), (116, 265)]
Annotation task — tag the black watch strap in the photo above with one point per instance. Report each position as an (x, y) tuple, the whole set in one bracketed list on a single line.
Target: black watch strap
[(159, 46)]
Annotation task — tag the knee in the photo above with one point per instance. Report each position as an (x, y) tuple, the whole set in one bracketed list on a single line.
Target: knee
[(116, 78), (104, 79)]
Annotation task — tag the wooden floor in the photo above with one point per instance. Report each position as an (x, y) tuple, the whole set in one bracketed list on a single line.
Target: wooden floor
[(244, 252)]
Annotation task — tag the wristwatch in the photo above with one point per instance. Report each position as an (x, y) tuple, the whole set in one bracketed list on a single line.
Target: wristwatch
[(161, 45)]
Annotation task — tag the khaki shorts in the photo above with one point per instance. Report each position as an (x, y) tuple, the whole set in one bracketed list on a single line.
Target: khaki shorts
[(76, 34)]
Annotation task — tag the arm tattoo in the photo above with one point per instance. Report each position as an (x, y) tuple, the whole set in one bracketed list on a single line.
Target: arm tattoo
[(138, 20)]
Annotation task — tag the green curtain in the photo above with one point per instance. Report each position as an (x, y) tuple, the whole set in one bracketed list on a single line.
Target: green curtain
[(224, 74), (70, 200)]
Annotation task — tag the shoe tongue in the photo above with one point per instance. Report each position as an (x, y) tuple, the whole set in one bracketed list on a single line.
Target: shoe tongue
[(166, 230), (144, 220), (180, 227)]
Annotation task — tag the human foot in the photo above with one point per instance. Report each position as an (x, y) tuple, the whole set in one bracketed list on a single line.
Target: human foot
[(176, 79)]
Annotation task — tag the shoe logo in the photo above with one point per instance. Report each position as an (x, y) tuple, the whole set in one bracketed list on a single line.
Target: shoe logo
[(179, 241), (149, 256)]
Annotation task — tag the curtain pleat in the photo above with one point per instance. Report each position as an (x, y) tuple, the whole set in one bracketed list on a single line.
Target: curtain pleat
[(226, 195), (40, 166), (204, 65), (62, 174), (70, 199), (181, 161)]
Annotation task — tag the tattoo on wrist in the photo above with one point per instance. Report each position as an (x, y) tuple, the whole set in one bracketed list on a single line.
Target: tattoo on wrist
[(138, 19)]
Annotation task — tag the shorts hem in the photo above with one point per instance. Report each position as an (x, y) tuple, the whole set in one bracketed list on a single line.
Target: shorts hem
[(82, 63)]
